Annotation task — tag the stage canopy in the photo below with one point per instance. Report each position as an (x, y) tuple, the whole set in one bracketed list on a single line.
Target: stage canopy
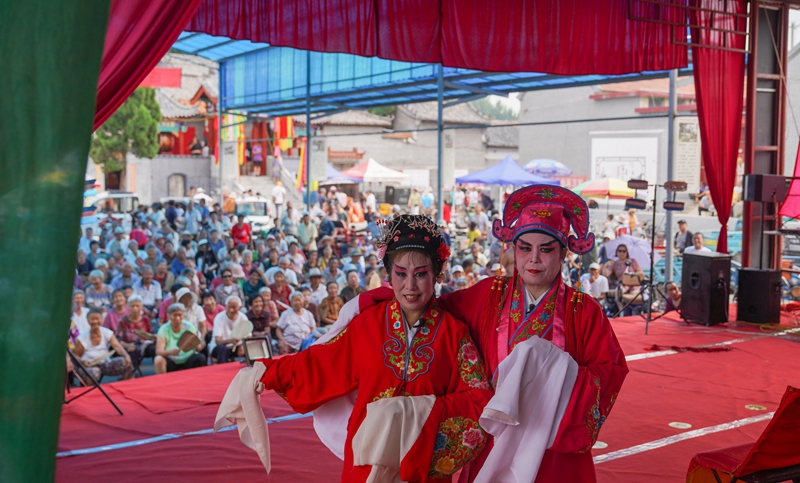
[(336, 177), (371, 171), (505, 173), (266, 79)]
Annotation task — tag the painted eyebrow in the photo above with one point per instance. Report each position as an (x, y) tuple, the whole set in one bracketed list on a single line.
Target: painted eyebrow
[(401, 268), (548, 243)]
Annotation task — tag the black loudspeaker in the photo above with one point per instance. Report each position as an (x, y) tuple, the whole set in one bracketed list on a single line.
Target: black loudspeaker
[(759, 296), (766, 188), (705, 286), (397, 196)]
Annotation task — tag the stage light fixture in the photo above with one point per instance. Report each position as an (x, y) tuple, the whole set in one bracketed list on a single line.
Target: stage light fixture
[(675, 186), (257, 348), (673, 205), (635, 203), (638, 184)]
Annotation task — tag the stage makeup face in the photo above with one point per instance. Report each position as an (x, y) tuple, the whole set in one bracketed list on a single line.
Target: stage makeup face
[(413, 281), (538, 260)]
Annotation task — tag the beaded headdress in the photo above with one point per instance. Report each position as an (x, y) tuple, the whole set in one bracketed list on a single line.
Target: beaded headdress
[(411, 231)]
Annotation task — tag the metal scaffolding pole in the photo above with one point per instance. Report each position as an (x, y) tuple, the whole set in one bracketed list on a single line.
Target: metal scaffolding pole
[(673, 107), (308, 130), (219, 143), (439, 145)]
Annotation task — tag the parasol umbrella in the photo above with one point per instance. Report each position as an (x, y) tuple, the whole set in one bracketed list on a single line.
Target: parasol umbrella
[(638, 249), (604, 188), (549, 168)]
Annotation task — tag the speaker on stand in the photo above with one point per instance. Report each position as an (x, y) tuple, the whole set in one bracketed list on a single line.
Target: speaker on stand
[(705, 287)]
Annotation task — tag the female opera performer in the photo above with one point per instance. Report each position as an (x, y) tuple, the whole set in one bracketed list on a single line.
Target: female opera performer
[(504, 312), (405, 346)]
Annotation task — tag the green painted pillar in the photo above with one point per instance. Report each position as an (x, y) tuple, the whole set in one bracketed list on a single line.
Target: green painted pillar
[(50, 52)]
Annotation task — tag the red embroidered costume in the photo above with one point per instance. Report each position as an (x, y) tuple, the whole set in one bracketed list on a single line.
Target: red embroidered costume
[(373, 356), (494, 311)]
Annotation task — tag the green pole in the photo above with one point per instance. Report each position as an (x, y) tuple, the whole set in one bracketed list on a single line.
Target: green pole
[(50, 59)]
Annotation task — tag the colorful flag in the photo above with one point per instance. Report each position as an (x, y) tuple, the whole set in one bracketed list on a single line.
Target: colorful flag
[(301, 171)]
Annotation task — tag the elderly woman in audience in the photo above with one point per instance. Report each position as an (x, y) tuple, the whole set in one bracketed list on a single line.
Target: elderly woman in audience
[(98, 294), (281, 291), (79, 311), (269, 304), (129, 329), (164, 277), (210, 308), (331, 305), (247, 261), (229, 286), (228, 347), (170, 357), (294, 326), (118, 310), (96, 343)]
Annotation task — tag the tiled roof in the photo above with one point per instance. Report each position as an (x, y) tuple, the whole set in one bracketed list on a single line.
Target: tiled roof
[(196, 72), (653, 86), (172, 109), (344, 154), (502, 137), (348, 118), (462, 113)]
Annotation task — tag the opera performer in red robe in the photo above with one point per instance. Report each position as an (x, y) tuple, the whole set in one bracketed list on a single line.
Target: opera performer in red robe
[(534, 305), (421, 383)]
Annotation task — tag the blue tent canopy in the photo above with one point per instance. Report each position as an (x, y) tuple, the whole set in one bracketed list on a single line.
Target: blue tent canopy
[(336, 177), (506, 172)]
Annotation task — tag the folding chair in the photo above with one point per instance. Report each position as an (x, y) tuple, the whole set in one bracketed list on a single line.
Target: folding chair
[(77, 363), (773, 458), (630, 299)]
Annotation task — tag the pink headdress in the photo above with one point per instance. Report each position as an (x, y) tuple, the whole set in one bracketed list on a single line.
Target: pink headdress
[(547, 209)]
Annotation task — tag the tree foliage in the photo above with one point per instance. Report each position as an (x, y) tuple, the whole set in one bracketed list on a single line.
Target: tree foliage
[(132, 128), (382, 111), (495, 110)]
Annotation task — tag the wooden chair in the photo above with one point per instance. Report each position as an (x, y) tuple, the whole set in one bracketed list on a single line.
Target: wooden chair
[(773, 458)]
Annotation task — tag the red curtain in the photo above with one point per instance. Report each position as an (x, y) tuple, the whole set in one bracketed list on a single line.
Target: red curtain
[(565, 37), (719, 87), (138, 36)]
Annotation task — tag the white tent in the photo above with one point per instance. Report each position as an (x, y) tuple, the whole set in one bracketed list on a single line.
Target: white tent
[(371, 171)]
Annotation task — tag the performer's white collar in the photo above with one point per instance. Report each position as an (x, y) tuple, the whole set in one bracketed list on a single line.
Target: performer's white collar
[(530, 299)]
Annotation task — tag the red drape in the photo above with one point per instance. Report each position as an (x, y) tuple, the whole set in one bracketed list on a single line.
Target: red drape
[(719, 87), (138, 36), (554, 36)]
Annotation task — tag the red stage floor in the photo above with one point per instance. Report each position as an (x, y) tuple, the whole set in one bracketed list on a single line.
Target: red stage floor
[(708, 390)]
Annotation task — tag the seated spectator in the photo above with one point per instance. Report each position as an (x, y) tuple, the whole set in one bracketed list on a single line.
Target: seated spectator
[(79, 311), (352, 288), (331, 305), (477, 256), (164, 277), (461, 283), (127, 277), (294, 326), (247, 262), (594, 283), (308, 304), (153, 256), (296, 258), (210, 309), (311, 263), (332, 273), (227, 347), (269, 304), (178, 263), (318, 290), (149, 290), (97, 342), (253, 284), (119, 309), (192, 312), (673, 296), (169, 357), (261, 319), (272, 258), (98, 294), (371, 279), (229, 287), (137, 347), (698, 245), (280, 291), (84, 265)]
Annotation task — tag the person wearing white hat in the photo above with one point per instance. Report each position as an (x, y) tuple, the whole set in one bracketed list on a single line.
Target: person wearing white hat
[(594, 283), (318, 290)]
